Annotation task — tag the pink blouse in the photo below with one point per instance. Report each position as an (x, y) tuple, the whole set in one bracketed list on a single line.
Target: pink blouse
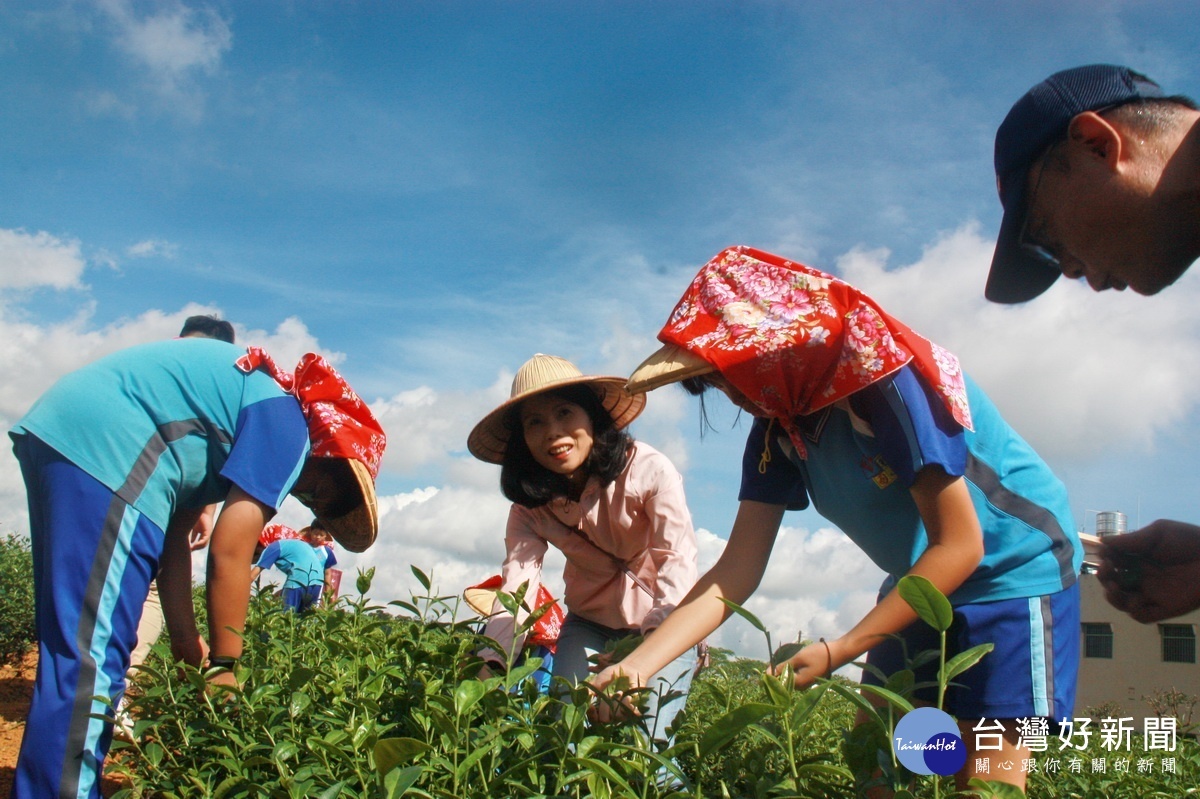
[(640, 518)]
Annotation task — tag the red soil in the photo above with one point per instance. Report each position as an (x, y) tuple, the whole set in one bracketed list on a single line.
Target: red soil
[(16, 687)]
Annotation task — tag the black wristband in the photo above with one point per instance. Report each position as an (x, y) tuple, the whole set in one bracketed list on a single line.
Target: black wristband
[(222, 662)]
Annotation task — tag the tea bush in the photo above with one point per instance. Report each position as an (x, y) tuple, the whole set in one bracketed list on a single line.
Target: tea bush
[(370, 701), (17, 631)]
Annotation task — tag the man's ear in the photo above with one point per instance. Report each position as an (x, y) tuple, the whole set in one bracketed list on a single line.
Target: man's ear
[(1097, 138)]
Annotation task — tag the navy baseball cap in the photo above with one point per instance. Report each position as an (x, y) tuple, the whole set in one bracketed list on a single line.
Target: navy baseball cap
[(1035, 122)]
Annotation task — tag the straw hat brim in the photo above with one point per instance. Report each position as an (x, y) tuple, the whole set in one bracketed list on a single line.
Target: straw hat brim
[(480, 600), (356, 528), (669, 364), (489, 439)]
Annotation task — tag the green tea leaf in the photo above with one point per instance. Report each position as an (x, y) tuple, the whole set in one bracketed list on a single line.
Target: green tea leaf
[(745, 614), (299, 677), (901, 682), (726, 728), (992, 789), (397, 783), (785, 653), (929, 603), (422, 578), (893, 699), (363, 583), (964, 660), (467, 695), (781, 697), (333, 791), (393, 752), (285, 751), (300, 703)]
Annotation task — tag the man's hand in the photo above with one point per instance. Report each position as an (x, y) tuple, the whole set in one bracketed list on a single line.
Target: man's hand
[(1153, 573)]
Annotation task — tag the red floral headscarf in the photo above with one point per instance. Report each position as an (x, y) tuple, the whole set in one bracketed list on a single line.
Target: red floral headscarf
[(340, 424), (544, 631), (794, 339), (278, 532)]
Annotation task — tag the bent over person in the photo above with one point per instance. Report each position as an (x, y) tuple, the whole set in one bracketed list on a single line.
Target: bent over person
[(615, 507), (882, 432), (119, 459)]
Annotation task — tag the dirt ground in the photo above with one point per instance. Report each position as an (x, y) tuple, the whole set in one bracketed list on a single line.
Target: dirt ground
[(16, 686)]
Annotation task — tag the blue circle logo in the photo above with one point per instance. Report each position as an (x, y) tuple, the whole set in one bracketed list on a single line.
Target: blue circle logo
[(927, 742)]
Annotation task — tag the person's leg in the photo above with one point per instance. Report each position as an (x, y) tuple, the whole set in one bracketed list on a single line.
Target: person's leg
[(310, 597), (150, 627), (1030, 674), (578, 639), (94, 559), (671, 687), (889, 657), (292, 598)]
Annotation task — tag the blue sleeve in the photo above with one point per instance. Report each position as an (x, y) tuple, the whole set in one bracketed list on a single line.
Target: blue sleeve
[(768, 474), (269, 448), (912, 426), (271, 554), (330, 558)]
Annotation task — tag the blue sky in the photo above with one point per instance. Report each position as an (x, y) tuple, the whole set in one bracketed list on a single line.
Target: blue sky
[(432, 192)]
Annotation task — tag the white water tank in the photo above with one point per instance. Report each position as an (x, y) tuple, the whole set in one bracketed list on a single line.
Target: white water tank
[(1110, 522)]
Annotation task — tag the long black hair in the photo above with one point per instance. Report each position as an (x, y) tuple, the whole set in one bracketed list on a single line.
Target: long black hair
[(526, 482)]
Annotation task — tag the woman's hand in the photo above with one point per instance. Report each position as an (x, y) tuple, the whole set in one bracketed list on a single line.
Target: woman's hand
[(616, 696), (809, 664)]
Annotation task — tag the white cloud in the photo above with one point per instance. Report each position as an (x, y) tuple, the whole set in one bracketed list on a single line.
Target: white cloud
[(289, 341), (174, 44), (817, 584), (1075, 372), (173, 39), (30, 260), (427, 427), (152, 248), (1096, 363)]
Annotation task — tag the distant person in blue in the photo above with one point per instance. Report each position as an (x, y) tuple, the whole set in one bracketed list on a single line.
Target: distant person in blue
[(879, 429), (1099, 175), (305, 563), (120, 458)]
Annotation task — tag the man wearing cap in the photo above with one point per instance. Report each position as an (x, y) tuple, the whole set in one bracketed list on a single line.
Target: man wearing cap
[(119, 459), (1099, 175)]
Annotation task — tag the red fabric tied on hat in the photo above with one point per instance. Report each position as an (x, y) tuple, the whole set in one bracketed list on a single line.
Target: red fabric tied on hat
[(278, 532), (340, 424), (546, 629), (794, 339)]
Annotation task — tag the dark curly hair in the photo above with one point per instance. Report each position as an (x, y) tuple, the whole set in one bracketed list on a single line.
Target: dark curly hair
[(526, 482)]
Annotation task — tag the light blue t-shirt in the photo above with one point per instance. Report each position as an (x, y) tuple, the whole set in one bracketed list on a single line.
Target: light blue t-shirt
[(303, 563), (171, 424), (861, 482)]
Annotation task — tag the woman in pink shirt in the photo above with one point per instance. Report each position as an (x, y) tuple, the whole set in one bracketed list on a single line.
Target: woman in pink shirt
[(614, 507)]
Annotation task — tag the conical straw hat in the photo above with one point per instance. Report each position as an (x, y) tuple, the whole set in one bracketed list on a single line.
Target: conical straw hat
[(539, 374)]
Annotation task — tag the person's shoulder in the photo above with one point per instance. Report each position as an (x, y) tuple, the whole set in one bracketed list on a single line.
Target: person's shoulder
[(649, 465), (647, 456)]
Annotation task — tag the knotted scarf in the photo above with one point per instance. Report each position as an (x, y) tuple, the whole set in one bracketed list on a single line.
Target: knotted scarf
[(795, 340)]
